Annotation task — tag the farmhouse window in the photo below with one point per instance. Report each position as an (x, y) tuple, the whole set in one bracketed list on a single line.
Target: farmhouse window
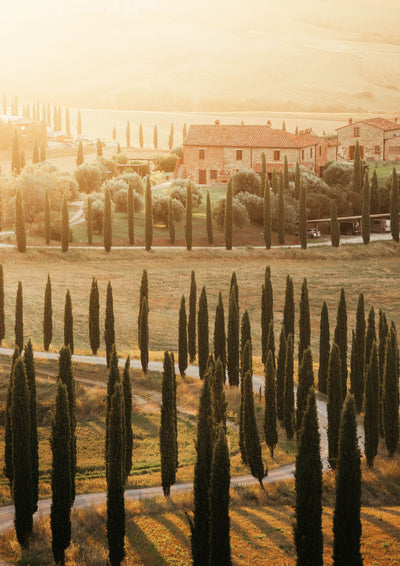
[(356, 132), (302, 154), (320, 150), (213, 174), (310, 151), (377, 149), (202, 153), (277, 155), (239, 155)]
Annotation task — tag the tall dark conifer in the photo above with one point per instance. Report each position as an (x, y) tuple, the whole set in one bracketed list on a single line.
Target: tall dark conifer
[(281, 211), (20, 231), (68, 323), (66, 375), (109, 331), (228, 226), (168, 427), (47, 316), (357, 171), (267, 216), (304, 321), (182, 338), (210, 235), (335, 403), (79, 155), (280, 373), (366, 209), (34, 445), (370, 338), (375, 205), (383, 332), (391, 394), (340, 339), (131, 216), (127, 391), (144, 335), (288, 311), (306, 381), (219, 334), (324, 348), (357, 356), (335, 229), (192, 318), (107, 222), (303, 216), (263, 174), (371, 413), (270, 414), (202, 333), (246, 366), (189, 217), (233, 339), (148, 212), (47, 224), (289, 417), (218, 396), (2, 314), (8, 449), (251, 438), (94, 317), (64, 225), (19, 318)]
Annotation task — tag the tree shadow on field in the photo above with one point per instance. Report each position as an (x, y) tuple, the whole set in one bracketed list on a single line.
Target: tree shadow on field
[(144, 425), (143, 546), (175, 530), (388, 528)]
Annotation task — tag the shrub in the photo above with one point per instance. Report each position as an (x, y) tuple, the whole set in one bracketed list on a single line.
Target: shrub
[(120, 158), (121, 201), (246, 181), (338, 174), (178, 192), (56, 231), (254, 206), (133, 180), (114, 186), (291, 213), (178, 151), (384, 199), (97, 211), (108, 166), (240, 215), (160, 209), (89, 177), (166, 162)]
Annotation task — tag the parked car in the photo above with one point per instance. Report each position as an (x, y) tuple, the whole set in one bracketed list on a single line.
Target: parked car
[(313, 233), (349, 228), (380, 225)]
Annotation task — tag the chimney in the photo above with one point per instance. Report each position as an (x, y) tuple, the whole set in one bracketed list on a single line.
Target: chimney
[(350, 121), (269, 123), (217, 122)]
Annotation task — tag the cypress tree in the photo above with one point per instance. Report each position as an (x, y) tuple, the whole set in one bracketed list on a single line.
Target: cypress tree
[(210, 235), (267, 217), (335, 229), (148, 215), (21, 455), (281, 212), (371, 414), (8, 450), (19, 321), (288, 310), (366, 209), (218, 396), (144, 292), (370, 338), (127, 390), (144, 335), (109, 331), (251, 438), (246, 366), (308, 482), (270, 414), (118, 148), (64, 225), (20, 231), (60, 513), (297, 181), (116, 480), (2, 315), (141, 135), (219, 335), (113, 379), (357, 356), (31, 380), (274, 182), (304, 321), (303, 217), (66, 375), (189, 217), (264, 326), (267, 314), (68, 323), (357, 171), (233, 339), (47, 225), (171, 222), (375, 205), (383, 332), (43, 153), (263, 174), (80, 158), (182, 338), (271, 342), (280, 374), (391, 394), (67, 123), (288, 393), (107, 224), (167, 428), (171, 138), (94, 317), (16, 156), (22, 159), (286, 176), (131, 217), (228, 225), (245, 336), (35, 152), (394, 207), (306, 381), (341, 339), (346, 517), (220, 546), (155, 137), (324, 348), (202, 333), (89, 221), (335, 403), (99, 148), (192, 319), (47, 316), (200, 525), (128, 134)]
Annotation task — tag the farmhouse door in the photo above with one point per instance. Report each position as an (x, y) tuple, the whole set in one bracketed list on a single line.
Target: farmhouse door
[(351, 151), (202, 176), (361, 152)]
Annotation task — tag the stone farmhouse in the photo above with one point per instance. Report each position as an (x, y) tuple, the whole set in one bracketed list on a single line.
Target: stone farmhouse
[(211, 153), (379, 139)]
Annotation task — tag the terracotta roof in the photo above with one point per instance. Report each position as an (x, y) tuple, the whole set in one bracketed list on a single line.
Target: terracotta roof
[(245, 136), (380, 123)]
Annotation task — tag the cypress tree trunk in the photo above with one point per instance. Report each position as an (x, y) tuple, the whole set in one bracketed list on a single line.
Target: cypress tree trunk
[(335, 404), (8, 450), (220, 545), (341, 339), (233, 339), (21, 455), (127, 390), (251, 438), (148, 215), (116, 480), (202, 333), (19, 322), (218, 396), (371, 414), (144, 335), (366, 208), (270, 425), (31, 380), (335, 229), (228, 216), (219, 335), (144, 292), (394, 207), (200, 525), (107, 223), (109, 331), (289, 417), (324, 348), (357, 179), (391, 394), (182, 339), (210, 235), (274, 182), (189, 217), (263, 174), (346, 518), (68, 323), (375, 205), (131, 216), (167, 428), (267, 216), (89, 221), (60, 514), (67, 377), (303, 217), (94, 317), (64, 225), (308, 481), (383, 332), (20, 231), (192, 319), (47, 225), (304, 321), (288, 311), (171, 222), (47, 316), (306, 381), (280, 374), (281, 212), (357, 356), (2, 314)]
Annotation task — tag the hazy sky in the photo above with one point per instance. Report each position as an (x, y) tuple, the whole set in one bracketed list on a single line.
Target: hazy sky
[(321, 54)]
